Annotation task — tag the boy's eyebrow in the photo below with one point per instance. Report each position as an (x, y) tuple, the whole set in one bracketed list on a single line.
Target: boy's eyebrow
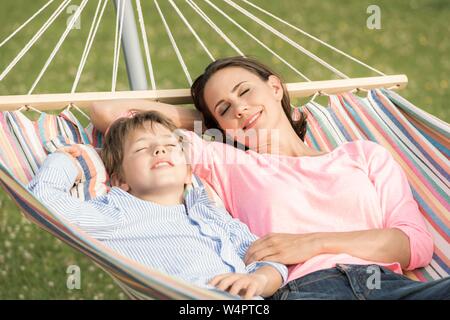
[(233, 90)]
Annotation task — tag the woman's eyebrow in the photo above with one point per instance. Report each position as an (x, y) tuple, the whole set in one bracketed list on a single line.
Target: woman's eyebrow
[(233, 90)]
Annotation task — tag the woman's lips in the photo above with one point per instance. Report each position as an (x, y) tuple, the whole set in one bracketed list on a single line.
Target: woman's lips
[(251, 121)]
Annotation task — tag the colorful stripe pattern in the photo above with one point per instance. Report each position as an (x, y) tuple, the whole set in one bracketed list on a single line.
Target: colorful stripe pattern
[(94, 178), (419, 143), (417, 140)]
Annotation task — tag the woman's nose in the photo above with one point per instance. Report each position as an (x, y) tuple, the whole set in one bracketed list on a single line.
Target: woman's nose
[(241, 110), (159, 150)]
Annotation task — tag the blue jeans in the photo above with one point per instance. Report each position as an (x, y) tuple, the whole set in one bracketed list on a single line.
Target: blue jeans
[(361, 282)]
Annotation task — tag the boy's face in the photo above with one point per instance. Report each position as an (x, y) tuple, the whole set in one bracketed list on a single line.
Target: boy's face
[(153, 161)]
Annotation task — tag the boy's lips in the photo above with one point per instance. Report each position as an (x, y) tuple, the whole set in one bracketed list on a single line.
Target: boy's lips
[(161, 164), (251, 121)]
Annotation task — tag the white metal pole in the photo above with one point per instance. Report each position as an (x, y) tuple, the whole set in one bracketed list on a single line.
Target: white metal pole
[(131, 48)]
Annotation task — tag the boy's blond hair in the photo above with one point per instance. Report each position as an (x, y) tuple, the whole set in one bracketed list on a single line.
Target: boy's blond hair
[(113, 149)]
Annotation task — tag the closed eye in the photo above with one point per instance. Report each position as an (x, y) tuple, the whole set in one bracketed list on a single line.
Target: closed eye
[(141, 149), (244, 92), (225, 110)]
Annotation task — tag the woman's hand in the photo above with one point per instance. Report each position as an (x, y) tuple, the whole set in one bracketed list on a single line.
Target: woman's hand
[(73, 152), (284, 248), (245, 285)]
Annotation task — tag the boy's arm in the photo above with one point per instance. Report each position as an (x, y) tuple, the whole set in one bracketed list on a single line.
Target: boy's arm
[(106, 112), (274, 279), (242, 238), (51, 186)]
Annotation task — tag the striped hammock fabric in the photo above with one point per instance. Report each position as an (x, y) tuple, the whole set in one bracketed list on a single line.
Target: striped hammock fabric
[(416, 139), (418, 142)]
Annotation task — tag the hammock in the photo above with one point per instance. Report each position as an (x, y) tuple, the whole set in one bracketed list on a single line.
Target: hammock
[(416, 139), (383, 117)]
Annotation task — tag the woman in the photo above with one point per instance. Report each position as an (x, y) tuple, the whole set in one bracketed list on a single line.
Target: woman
[(344, 221)]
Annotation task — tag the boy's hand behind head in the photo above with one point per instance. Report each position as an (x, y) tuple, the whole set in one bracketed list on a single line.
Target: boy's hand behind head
[(73, 151)]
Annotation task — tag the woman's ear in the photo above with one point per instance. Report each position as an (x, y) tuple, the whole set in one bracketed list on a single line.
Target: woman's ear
[(277, 87), (117, 182)]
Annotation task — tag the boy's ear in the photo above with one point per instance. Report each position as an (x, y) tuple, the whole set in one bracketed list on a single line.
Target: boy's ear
[(117, 182)]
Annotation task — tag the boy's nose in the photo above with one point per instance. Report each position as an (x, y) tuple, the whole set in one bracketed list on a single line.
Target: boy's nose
[(159, 150)]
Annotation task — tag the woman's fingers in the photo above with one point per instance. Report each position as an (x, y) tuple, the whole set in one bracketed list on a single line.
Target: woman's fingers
[(260, 244), (257, 244), (259, 254)]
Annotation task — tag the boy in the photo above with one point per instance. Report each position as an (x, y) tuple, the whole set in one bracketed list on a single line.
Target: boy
[(150, 216)]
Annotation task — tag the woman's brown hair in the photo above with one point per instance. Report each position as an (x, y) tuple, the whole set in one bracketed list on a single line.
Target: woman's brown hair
[(255, 67)]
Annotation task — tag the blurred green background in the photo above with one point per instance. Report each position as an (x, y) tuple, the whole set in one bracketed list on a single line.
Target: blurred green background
[(413, 40)]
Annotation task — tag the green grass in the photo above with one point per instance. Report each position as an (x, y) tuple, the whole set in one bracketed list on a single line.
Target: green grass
[(414, 40)]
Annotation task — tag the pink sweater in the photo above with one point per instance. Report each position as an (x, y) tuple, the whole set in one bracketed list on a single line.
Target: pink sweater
[(357, 186)]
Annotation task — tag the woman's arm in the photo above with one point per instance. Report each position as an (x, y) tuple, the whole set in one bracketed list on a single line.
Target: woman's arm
[(378, 245), (105, 112)]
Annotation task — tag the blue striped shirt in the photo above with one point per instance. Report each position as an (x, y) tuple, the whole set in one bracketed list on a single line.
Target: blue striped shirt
[(194, 241)]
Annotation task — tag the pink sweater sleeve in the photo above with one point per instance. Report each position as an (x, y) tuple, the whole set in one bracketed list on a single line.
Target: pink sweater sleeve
[(206, 157), (198, 156), (400, 209)]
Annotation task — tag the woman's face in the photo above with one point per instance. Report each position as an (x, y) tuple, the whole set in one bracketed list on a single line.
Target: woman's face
[(243, 104)]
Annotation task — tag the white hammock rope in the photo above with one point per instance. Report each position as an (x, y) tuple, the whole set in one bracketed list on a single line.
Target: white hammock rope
[(214, 26), (311, 88), (90, 40), (145, 41), (174, 44), (58, 45), (71, 105), (117, 41), (38, 34), (314, 38), (186, 22), (26, 22), (258, 41), (287, 39)]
